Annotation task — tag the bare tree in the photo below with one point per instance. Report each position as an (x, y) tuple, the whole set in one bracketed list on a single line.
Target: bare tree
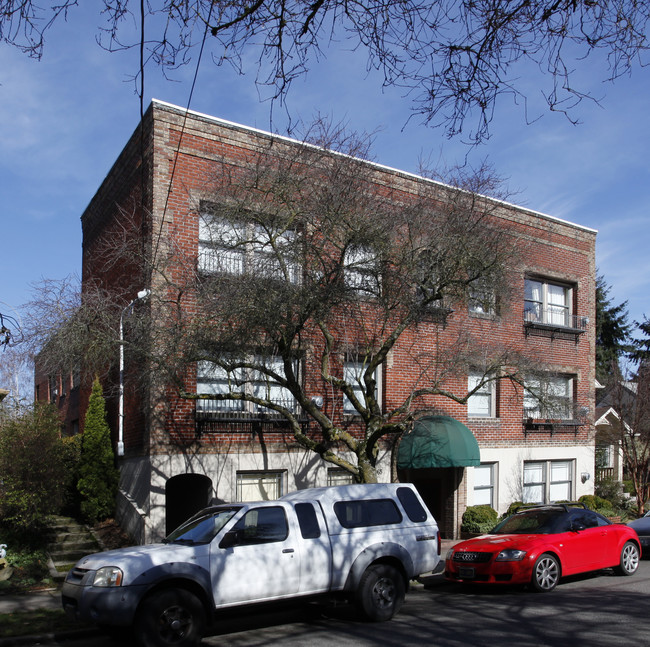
[(452, 58), (312, 278)]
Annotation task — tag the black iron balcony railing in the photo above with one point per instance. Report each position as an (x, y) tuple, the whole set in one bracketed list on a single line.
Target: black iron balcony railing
[(554, 322), (563, 419), (219, 416)]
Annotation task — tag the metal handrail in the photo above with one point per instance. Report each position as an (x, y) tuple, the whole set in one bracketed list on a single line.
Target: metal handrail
[(556, 317)]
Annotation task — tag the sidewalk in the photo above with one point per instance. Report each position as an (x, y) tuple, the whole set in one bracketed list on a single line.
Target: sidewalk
[(48, 599)]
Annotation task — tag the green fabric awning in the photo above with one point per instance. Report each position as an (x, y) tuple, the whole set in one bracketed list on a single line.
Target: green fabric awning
[(438, 441)]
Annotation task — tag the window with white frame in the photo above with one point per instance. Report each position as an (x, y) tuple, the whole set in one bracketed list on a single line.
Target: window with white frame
[(547, 303), (548, 481), (549, 397), (353, 372), (604, 455), (482, 403), (214, 379), (259, 486), (484, 480), (362, 271), (241, 247), (337, 476), (482, 300)]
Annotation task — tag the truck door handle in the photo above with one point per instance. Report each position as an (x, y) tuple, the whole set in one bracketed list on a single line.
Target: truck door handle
[(288, 550)]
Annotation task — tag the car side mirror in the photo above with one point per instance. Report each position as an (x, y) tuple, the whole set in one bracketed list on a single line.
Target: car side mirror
[(230, 539)]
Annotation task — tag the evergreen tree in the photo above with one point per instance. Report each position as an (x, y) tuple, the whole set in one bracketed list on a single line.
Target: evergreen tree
[(99, 477), (612, 331), (640, 352)]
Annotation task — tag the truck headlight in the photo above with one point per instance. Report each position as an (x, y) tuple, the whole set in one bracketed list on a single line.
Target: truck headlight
[(511, 555), (108, 576)]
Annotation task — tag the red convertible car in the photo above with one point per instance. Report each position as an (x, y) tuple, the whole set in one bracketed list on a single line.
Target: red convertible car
[(539, 545)]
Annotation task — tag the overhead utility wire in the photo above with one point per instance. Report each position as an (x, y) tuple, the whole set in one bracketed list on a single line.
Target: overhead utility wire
[(180, 139)]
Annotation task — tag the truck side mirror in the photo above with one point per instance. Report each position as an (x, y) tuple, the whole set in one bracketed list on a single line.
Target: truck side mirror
[(230, 539)]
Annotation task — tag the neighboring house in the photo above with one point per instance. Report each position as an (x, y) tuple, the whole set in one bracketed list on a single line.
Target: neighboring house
[(199, 450), (613, 405)]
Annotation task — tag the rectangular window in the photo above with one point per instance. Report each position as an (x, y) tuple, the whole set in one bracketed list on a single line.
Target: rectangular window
[(549, 398), (362, 271), (362, 514), (353, 372), (484, 479), (339, 477), (262, 526), (307, 520), (547, 303), (259, 486), (54, 387), (212, 379), (238, 248), (534, 483), (548, 481), (481, 404), (221, 246), (265, 388), (482, 300)]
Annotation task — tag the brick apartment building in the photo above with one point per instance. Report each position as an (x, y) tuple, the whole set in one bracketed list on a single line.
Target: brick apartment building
[(177, 457)]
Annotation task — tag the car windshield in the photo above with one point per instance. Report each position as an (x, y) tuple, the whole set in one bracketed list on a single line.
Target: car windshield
[(531, 521), (202, 527)]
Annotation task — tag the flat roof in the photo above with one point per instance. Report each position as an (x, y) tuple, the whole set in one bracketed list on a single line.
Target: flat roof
[(265, 133)]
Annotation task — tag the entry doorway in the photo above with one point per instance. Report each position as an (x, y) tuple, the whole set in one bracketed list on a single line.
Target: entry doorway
[(185, 495), (438, 487)]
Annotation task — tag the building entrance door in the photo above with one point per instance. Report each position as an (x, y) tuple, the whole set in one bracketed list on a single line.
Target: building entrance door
[(438, 488)]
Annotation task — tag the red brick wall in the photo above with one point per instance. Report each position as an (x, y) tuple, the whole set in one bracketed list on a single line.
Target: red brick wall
[(553, 249)]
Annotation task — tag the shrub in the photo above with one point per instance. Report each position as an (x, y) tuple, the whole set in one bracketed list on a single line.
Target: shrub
[(33, 471), (612, 491), (478, 519), (98, 476), (512, 508), (594, 502)]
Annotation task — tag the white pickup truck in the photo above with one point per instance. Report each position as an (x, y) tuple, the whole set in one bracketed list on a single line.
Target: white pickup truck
[(365, 542)]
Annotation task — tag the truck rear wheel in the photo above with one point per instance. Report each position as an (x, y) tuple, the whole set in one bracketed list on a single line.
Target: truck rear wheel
[(173, 617), (381, 592)]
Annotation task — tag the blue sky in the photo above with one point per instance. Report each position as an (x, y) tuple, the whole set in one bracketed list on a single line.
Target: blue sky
[(64, 120)]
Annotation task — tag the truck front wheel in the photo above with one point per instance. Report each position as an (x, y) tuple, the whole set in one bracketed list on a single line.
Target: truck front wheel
[(170, 617), (381, 592)]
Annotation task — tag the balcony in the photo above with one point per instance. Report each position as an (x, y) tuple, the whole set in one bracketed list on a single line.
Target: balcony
[(219, 416), (554, 323), (565, 421)]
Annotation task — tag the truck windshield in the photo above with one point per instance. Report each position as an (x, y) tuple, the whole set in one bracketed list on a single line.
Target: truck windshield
[(202, 527)]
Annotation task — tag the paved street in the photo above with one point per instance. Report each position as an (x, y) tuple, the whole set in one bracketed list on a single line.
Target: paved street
[(588, 611)]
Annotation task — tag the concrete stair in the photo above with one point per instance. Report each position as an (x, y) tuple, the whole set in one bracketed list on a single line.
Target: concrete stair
[(71, 541)]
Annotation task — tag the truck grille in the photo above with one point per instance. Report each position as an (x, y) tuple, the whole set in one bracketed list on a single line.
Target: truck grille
[(76, 574)]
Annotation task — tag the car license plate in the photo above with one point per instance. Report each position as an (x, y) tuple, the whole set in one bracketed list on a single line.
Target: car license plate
[(465, 572)]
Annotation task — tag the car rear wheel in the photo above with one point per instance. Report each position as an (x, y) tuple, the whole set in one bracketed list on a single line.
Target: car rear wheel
[(173, 617), (629, 559), (546, 573), (381, 592)]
